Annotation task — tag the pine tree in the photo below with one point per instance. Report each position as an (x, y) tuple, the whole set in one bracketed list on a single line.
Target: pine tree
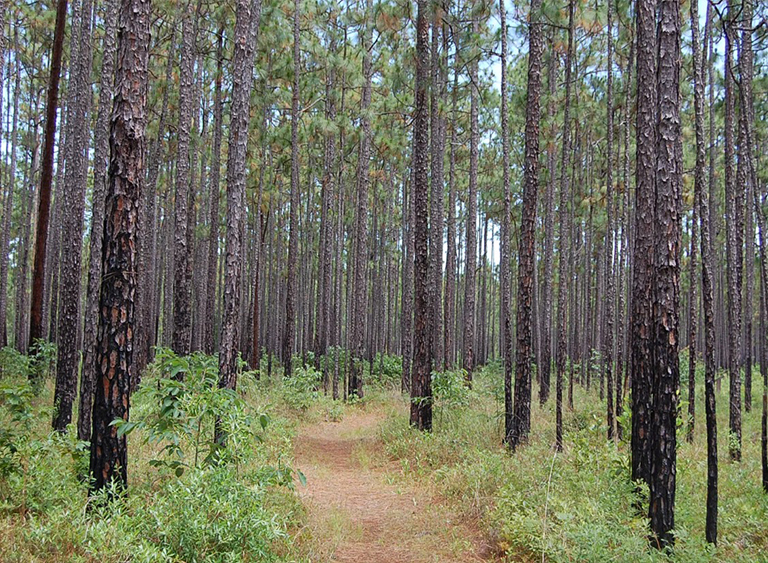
[(521, 423), (114, 349)]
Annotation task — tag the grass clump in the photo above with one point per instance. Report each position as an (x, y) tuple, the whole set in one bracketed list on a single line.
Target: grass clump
[(578, 505)]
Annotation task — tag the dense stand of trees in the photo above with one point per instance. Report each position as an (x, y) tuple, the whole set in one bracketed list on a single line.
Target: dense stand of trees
[(402, 180)]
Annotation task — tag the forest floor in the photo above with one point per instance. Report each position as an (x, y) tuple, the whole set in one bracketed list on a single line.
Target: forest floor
[(358, 512)]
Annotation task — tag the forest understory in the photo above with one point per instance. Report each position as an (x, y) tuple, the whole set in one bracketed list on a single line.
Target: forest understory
[(318, 480)]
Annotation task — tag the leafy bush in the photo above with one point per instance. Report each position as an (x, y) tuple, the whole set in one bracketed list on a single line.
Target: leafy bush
[(181, 414), (300, 390), (13, 363), (450, 388), (211, 515), (207, 504), (386, 371), (16, 419), (36, 472), (36, 366), (42, 355)]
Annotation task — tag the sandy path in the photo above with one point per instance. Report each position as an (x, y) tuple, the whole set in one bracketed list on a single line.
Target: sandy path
[(357, 515)]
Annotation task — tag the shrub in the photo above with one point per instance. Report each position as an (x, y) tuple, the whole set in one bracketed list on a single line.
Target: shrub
[(300, 390), (181, 414), (13, 363), (386, 371)]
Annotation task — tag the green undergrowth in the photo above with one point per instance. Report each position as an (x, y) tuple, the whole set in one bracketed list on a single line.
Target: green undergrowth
[(578, 505), (187, 501), (190, 502)]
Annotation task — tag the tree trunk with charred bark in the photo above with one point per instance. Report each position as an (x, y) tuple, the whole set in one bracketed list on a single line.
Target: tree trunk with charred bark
[(421, 389), (641, 358), (666, 296), (182, 290), (114, 350), (521, 423), (248, 16)]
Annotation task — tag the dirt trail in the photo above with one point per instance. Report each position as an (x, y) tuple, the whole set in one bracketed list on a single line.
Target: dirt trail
[(356, 514)]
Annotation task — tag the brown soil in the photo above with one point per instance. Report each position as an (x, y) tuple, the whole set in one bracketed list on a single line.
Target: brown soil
[(356, 512)]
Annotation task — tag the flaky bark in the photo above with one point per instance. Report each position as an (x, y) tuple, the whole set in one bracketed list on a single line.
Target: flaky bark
[(114, 350), (564, 242), (437, 146), (248, 16), (521, 423), (745, 163), (506, 237), (609, 237), (182, 290), (470, 251), (78, 137), (667, 252), (421, 389), (641, 366), (707, 281), (100, 167), (289, 332), (734, 243)]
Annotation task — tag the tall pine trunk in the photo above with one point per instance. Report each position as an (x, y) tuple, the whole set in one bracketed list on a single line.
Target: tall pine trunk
[(707, 279), (360, 270), (114, 349), (100, 169), (667, 253), (521, 423), (470, 252), (46, 178), (213, 194), (182, 253), (73, 208), (421, 389), (564, 243), (289, 332), (437, 145), (248, 16), (734, 243), (610, 245), (641, 358), (506, 235)]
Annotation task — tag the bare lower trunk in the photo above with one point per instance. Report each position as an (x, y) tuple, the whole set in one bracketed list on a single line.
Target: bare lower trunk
[(470, 254), (182, 292), (521, 424), (667, 252), (564, 243), (46, 177), (421, 390), (114, 350), (68, 356), (248, 17)]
